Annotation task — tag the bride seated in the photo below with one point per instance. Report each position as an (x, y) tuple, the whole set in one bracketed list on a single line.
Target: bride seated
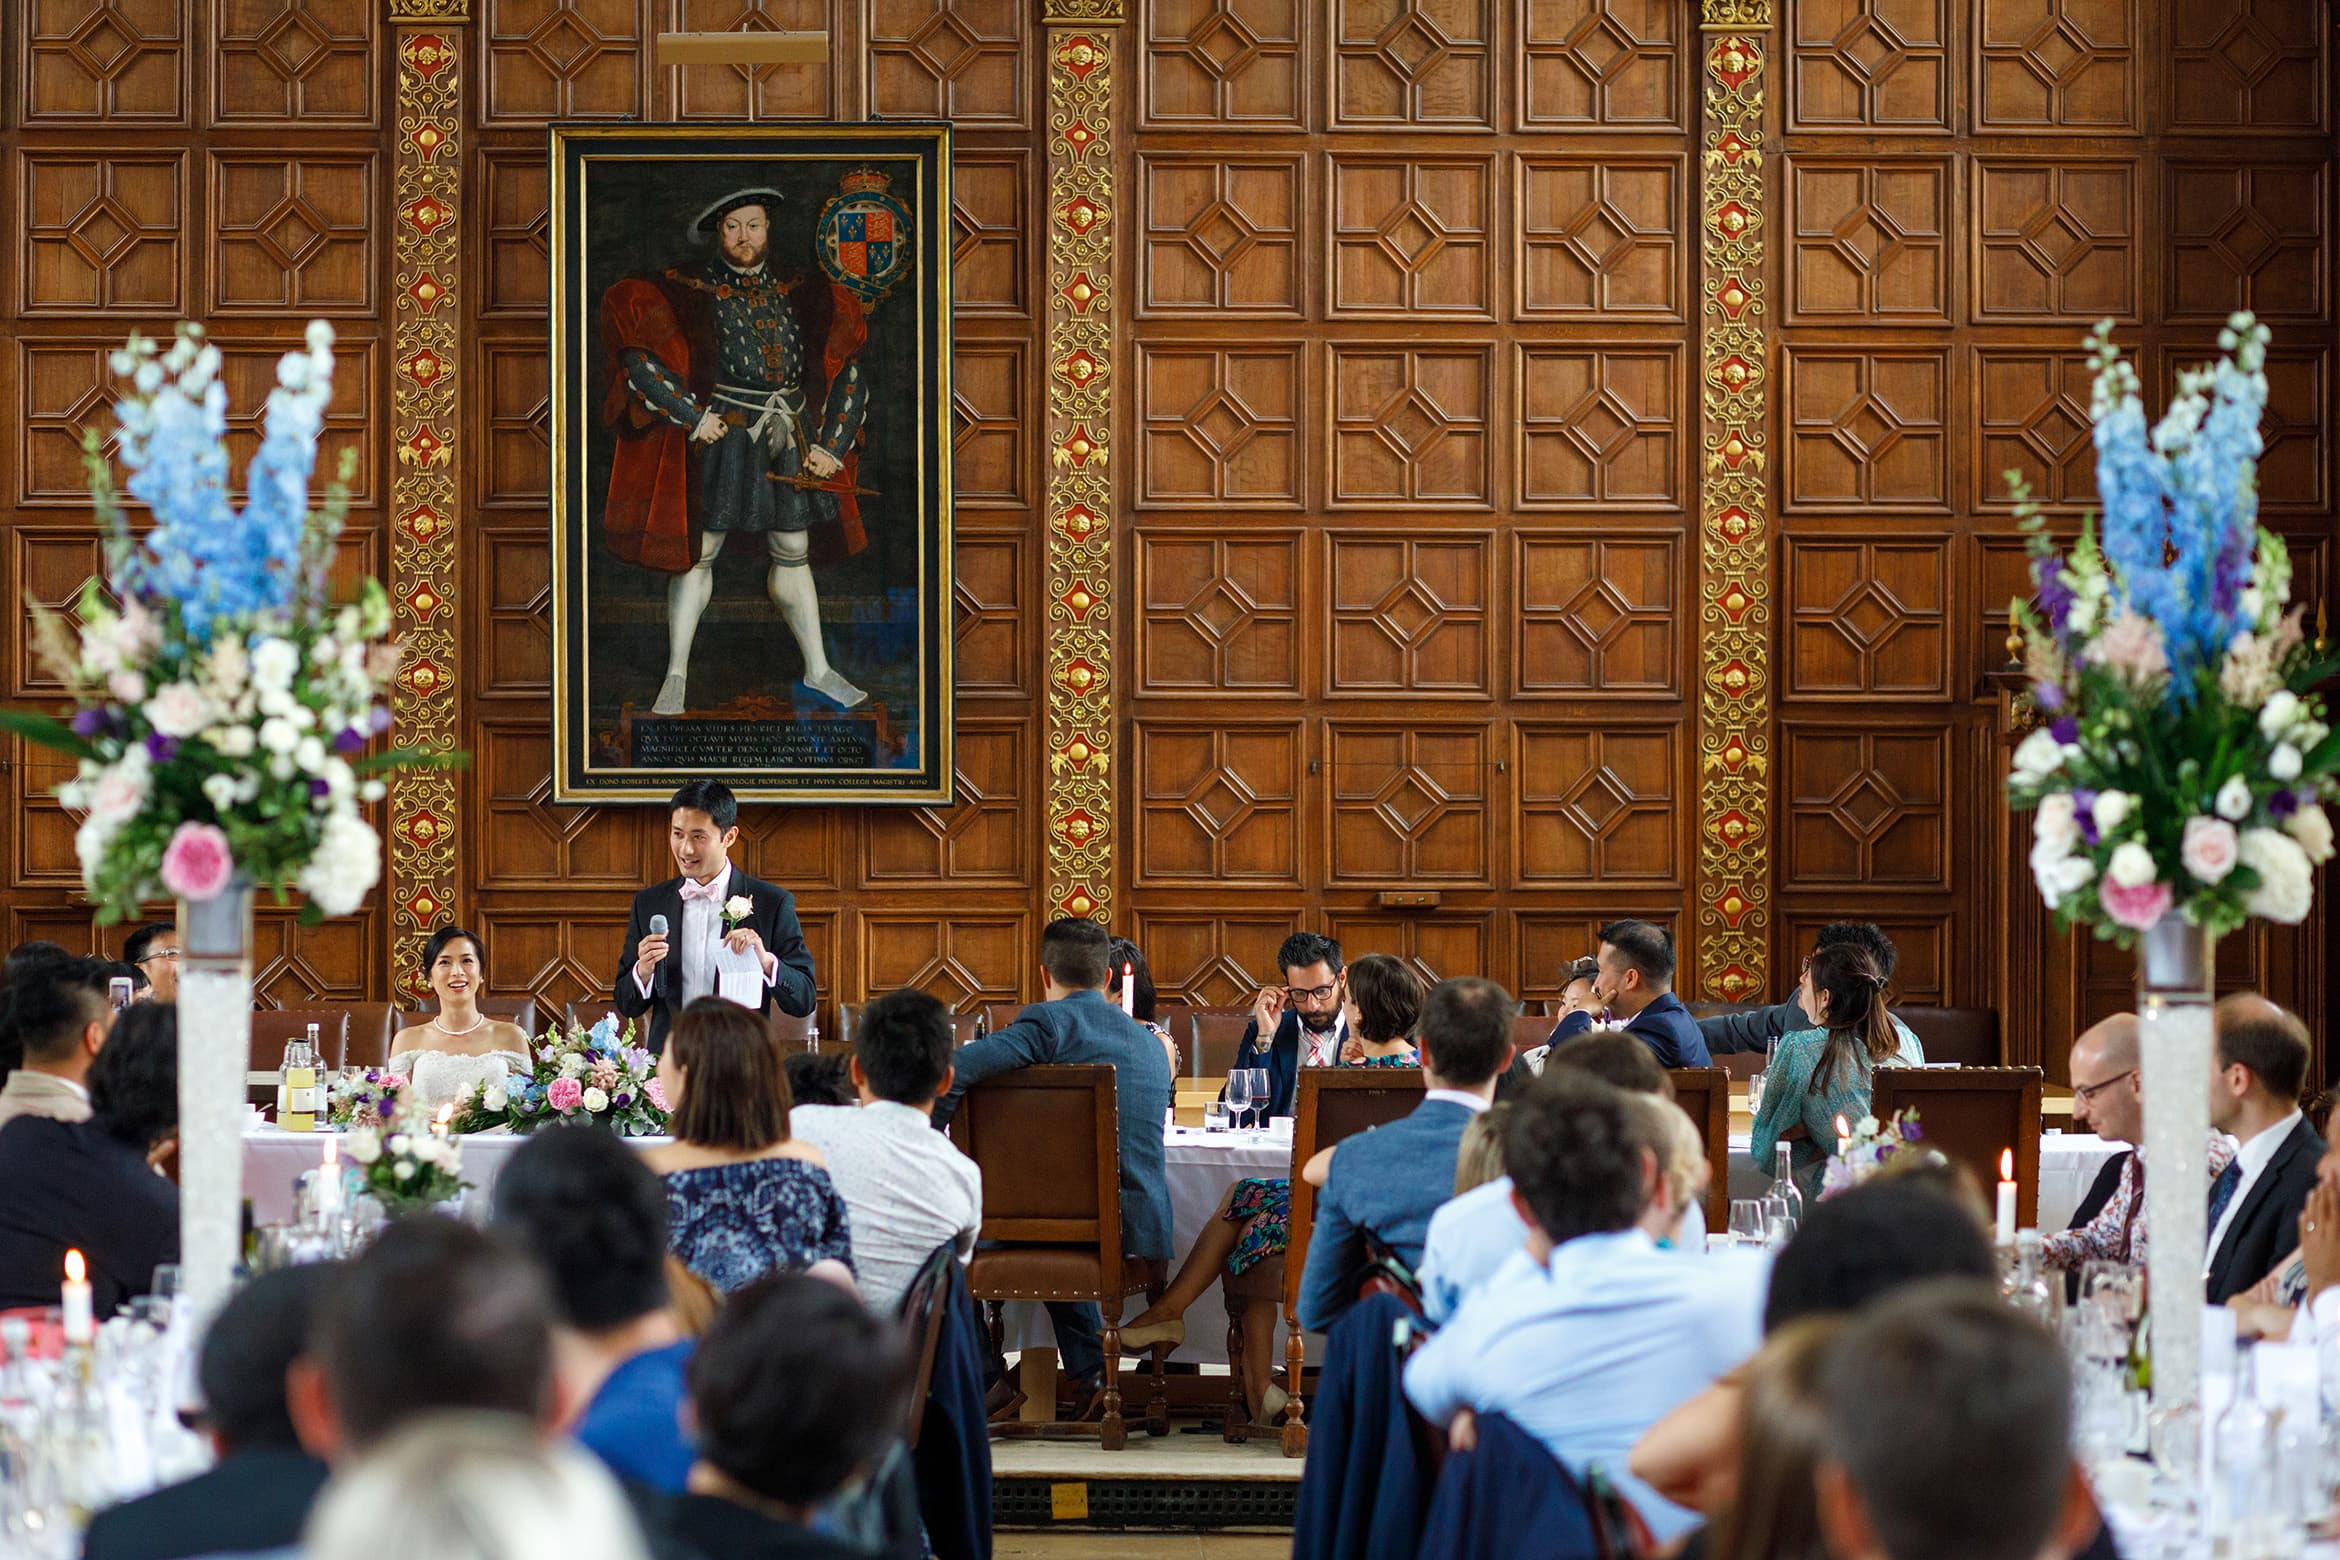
[(459, 1045)]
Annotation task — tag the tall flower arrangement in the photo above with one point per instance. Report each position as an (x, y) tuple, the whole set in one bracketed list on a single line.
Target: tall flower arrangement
[(223, 704), (2185, 756)]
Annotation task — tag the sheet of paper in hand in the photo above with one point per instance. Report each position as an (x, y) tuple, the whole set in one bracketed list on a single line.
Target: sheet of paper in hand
[(739, 977)]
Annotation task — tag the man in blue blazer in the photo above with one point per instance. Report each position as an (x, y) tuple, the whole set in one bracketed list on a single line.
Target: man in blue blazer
[(1302, 1019), (1385, 1184), (1635, 984), (1077, 1024)]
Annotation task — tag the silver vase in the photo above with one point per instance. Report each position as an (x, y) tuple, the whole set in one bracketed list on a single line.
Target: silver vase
[(2174, 963)]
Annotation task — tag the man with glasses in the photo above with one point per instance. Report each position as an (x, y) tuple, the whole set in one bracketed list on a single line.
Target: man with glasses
[(1299, 1023), (2108, 1099), (154, 951)]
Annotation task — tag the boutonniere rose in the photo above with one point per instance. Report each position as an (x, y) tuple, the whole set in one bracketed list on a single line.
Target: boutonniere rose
[(737, 910)]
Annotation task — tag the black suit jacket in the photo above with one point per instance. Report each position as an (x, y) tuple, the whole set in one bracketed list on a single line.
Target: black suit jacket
[(774, 920), (71, 1184), (2265, 1229), (1280, 1056), (253, 1502)]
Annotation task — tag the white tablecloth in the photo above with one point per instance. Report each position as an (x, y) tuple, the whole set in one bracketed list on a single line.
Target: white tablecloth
[(2068, 1163), (274, 1161)]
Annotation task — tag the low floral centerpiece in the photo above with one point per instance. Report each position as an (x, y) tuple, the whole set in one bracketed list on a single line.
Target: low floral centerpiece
[(363, 1099), (595, 1076), (405, 1163), (1867, 1146)]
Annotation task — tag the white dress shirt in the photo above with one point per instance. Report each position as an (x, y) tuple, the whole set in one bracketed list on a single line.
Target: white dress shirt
[(1589, 1351), (695, 942), (1323, 1050), (907, 1189), (1469, 1239), (1476, 1104), (2251, 1160)]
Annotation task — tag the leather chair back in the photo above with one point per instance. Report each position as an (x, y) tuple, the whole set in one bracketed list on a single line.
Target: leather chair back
[(1048, 1143), (371, 1024), (922, 1317), (585, 1012), (998, 1015), (1967, 1036), (273, 1028), (1705, 1094), (1529, 1030), (1972, 1115), (1218, 1035)]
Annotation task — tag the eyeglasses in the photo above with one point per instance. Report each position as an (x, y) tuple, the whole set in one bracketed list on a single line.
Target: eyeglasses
[(1313, 993), (159, 953), (2091, 1091)]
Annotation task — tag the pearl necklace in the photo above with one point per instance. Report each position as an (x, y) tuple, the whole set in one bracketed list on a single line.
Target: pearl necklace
[(454, 1033)]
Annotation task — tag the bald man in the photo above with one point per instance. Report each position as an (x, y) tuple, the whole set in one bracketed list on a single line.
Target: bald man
[(2259, 1061)]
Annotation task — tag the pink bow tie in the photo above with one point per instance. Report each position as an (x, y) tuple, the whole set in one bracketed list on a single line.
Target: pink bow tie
[(706, 890)]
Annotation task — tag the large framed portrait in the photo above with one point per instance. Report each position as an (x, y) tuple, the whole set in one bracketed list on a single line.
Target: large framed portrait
[(751, 575)]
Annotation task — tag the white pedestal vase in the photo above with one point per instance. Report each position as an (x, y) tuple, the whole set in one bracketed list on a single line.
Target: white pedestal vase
[(215, 1044), (2173, 1020)]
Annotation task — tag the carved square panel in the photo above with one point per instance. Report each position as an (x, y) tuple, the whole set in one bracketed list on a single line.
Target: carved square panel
[(2002, 573), (990, 223), (1413, 64), (1219, 613), (1869, 240), (2032, 417), (560, 59), (248, 369), (515, 616), (1866, 618), (2252, 65), (310, 966), (1410, 238), (1221, 62), (965, 958), (982, 837), (1922, 947), (1219, 804), (1598, 804), (516, 267), (557, 956), (1611, 63), (1408, 804), (1213, 960), (989, 463), (1409, 615), (961, 60), (295, 61), (1596, 615), (1220, 235), (1545, 941), (291, 235), (2055, 241), (2294, 470), (90, 60), (1867, 429), (49, 565), (994, 634), (2055, 65), (752, 92), (44, 856), (1435, 947), (518, 465), (1866, 807), (1218, 425), (102, 232), (798, 846), (1600, 238), (1869, 65), (62, 387), (1410, 425), (529, 843), (1599, 428), (2249, 237)]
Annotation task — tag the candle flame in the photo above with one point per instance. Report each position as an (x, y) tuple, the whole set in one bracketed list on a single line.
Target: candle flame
[(1843, 1130), (332, 1152), (446, 1114), (2006, 1164), (76, 1270)]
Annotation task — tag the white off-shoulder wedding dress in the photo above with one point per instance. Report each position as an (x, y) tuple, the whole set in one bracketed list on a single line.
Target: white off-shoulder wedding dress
[(442, 1077)]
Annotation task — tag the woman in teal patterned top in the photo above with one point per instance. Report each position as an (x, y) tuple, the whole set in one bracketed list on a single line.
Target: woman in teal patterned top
[(1821, 1073)]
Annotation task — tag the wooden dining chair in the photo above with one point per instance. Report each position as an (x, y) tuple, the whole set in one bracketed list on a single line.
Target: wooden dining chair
[(1705, 1094), (1971, 1115), (1217, 1037)]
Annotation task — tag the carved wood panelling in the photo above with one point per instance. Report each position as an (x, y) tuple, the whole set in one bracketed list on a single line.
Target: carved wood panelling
[(1220, 804), (515, 200), (2250, 65), (1598, 428), (1868, 429), (995, 636), (1596, 804), (1413, 64), (1924, 946), (1208, 62), (1607, 63), (308, 62), (1219, 425), (2050, 65), (1435, 948), (1412, 238), (513, 569), (1219, 614), (1214, 960), (1408, 806), (1549, 939), (961, 60), (752, 92), (1409, 616), (2055, 240), (1410, 426), (87, 62), (966, 959), (292, 237), (1596, 615), (2251, 237), (560, 59), (990, 234), (990, 466), (1867, 619), (1220, 235), (515, 377), (986, 837), (1870, 240), (2031, 416), (1867, 808), (1600, 237), (1869, 65), (102, 232)]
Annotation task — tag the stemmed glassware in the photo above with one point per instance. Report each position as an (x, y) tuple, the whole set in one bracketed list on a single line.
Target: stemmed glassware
[(1262, 1095), (1239, 1094)]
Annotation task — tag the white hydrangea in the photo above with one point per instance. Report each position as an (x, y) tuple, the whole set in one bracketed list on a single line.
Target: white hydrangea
[(348, 863), (363, 1145), (2287, 881), (2313, 829)]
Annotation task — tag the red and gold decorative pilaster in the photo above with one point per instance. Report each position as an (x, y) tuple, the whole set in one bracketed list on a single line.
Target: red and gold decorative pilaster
[(426, 205), (1079, 787), (1733, 895)]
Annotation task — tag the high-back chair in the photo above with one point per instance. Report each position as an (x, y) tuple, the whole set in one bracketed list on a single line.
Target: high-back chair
[(1217, 1037), (1967, 1036), (1972, 1115), (371, 1024), (1705, 1093)]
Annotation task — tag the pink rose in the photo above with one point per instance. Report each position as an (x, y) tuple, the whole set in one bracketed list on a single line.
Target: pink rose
[(2209, 849), (657, 1093), (564, 1094), (2135, 905), (197, 863)]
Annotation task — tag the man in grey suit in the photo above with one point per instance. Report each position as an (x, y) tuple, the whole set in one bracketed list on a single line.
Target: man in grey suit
[(1077, 1024)]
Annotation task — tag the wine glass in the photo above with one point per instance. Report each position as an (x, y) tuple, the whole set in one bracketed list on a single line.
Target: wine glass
[(164, 1289), (1749, 1222), (1263, 1096), (1239, 1094)]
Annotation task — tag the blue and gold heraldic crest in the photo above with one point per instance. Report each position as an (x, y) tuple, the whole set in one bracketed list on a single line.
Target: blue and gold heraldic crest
[(863, 237)]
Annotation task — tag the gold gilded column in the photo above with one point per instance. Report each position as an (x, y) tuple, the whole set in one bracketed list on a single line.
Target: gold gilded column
[(1732, 904), (1079, 791), (427, 267)]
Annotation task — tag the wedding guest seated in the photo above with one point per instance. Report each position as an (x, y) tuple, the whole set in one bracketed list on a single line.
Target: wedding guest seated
[(1603, 1333), (820, 1079), (743, 1197), (1127, 962), (1950, 1433), (2108, 1098), (153, 950), (907, 1188), (91, 1185), (797, 1392), (2306, 1283), (1756, 1029), (475, 1487), (58, 1011), (1636, 986), (1821, 1073), (21, 958), (1298, 1024), (2260, 1061), (1383, 1008), (1074, 1025), (1580, 1003), (1383, 1185), (458, 1046), (1774, 1511), (258, 1495), (593, 1215)]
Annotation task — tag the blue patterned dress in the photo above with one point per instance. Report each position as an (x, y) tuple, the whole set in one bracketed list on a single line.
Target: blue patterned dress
[(733, 1224)]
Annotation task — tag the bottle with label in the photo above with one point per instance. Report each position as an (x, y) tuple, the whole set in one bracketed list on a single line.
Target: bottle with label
[(297, 1094)]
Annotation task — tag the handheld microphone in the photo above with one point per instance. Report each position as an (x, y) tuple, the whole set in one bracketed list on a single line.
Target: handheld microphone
[(658, 926)]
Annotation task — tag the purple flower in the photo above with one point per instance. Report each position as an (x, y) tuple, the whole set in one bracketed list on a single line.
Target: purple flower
[(1911, 1132), (380, 720), (318, 788), (162, 749), (621, 1101), (348, 741), (89, 722), (2048, 696), (2282, 805), (2084, 812), (2065, 730), (2054, 596)]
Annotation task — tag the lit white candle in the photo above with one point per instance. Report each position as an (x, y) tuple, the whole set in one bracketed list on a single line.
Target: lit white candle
[(329, 1180), (2007, 1194), (80, 1322), (439, 1123), (1129, 989)]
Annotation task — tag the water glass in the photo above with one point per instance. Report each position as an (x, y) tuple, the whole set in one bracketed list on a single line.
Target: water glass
[(1750, 1224), (1215, 1117), (1239, 1093), (1755, 1095)]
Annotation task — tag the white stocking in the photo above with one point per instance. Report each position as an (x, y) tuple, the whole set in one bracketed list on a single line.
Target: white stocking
[(687, 595), (790, 582)]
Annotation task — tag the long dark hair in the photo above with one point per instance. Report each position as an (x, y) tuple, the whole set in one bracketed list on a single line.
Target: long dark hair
[(1860, 1032)]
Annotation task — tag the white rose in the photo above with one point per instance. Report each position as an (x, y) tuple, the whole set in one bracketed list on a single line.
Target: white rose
[(2131, 865), (404, 1170), (179, 710), (739, 907), (121, 790), (2057, 823), (309, 754), (595, 1100), (279, 736), (573, 1065), (2287, 883), (2038, 756), (2112, 809), (232, 741), (494, 1098), (2208, 849), (275, 662), (219, 791), (363, 1144), (2280, 710), (399, 1143), (2234, 800), (2313, 829), (2061, 878), (129, 687), (2284, 762)]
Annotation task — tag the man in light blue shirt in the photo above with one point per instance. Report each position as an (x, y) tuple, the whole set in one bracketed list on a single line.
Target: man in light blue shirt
[(1595, 1333)]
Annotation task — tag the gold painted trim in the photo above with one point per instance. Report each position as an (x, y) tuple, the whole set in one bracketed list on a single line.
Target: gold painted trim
[(425, 507), (1732, 899), (402, 11), (1079, 655)]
